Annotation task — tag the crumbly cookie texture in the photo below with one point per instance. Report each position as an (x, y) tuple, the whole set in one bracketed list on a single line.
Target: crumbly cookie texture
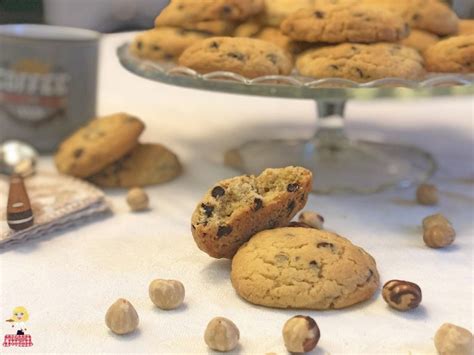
[(278, 10), (179, 12), (146, 164), (235, 209), (164, 42), (245, 56), (420, 40), (338, 22), (429, 15), (98, 144), (452, 55), (466, 27), (361, 62), (303, 268)]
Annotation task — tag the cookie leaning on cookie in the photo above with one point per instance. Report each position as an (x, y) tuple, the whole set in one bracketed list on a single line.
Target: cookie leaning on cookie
[(303, 268), (98, 144), (235, 209), (345, 21), (452, 55), (245, 56)]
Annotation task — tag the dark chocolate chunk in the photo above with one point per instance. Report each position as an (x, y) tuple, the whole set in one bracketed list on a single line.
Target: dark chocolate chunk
[(236, 55), (319, 14), (272, 58), (293, 187), (218, 191), (78, 153), (223, 231), (208, 210), (257, 204)]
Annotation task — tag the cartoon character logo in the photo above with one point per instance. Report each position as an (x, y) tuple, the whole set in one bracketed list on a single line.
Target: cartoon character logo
[(18, 319)]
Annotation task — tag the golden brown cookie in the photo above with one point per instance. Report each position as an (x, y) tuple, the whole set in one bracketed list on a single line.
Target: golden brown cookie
[(245, 56), (235, 209), (303, 268), (452, 55), (428, 15), (275, 36), (164, 42), (101, 142), (420, 40), (466, 27), (361, 62), (180, 12), (338, 22), (146, 164)]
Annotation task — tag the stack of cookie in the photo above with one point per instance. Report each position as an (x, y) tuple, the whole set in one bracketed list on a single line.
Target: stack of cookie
[(359, 40), (107, 152), (246, 218), (184, 22)]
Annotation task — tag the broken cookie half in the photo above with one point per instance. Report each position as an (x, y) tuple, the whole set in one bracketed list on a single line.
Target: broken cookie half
[(233, 210)]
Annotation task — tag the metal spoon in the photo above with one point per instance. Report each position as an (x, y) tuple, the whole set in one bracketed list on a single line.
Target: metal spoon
[(18, 160)]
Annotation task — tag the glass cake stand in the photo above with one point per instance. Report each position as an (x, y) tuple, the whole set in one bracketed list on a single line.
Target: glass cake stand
[(340, 163)]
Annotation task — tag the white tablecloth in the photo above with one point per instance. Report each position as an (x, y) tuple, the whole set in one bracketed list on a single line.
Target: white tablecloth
[(67, 281)]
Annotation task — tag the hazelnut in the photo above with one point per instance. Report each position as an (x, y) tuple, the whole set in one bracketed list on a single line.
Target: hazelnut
[(439, 236), (427, 194), (121, 317), (137, 199), (453, 340), (438, 232), (435, 220), (222, 334), (312, 219), (402, 295), (301, 334), (166, 294)]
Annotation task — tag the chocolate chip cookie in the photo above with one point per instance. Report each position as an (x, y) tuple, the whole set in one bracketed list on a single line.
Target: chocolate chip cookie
[(146, 164), (303, 268), (361, 62), (235, 209), (275, 36), (180, 12), (428, 15), (245, 56), (338, 21), (452, 55), (164, 42), (420, 40), (98, 144)]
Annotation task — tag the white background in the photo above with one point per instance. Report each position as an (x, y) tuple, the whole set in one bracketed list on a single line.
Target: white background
[(67, 281)]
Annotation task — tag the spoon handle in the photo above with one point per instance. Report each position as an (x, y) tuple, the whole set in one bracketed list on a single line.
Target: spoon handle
[(19, 212)]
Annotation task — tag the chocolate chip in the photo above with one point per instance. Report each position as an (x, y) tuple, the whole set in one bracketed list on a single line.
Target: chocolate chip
[(155, 48), (335, 67), (223, 231), (193, 227), (416, 17), (272, 58), (299, 225), (313, 263), (325, 245), (303, 197), (293, 187), (214, 45), (208, 210), (360, 72), (291, 206), (226, 10), (319, 14), (78, 153), (218, 191), (257, 204), (236, 55)]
